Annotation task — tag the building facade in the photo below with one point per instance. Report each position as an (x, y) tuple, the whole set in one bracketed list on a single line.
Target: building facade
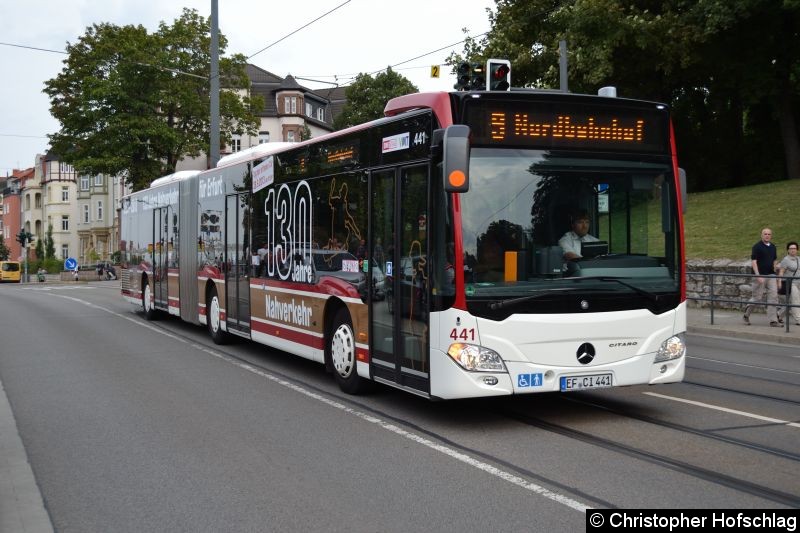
[(11, 211), (291, 113)]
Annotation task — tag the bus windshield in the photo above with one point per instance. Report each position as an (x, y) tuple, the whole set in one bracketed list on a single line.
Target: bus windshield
[(518, 225)]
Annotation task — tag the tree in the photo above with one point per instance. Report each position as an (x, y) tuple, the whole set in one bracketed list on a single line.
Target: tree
[(4, 251), (367, 97), (39, 249), (49, 245), (135, 103), (729, 68)]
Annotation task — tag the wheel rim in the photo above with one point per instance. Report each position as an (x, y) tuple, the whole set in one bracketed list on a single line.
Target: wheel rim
[(214, 314), (343, 350), (146, 298)]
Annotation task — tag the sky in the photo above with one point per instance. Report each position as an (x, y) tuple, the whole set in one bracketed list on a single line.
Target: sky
[(359, 36)]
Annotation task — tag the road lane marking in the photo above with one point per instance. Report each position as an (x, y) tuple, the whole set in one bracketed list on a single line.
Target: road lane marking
[(725, 409), (446, 450), (744, 365)]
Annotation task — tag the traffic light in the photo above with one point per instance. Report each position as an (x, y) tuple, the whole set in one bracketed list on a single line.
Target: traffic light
[(477, 77), (494, 76), (24, 237), (462, 77), (498, 76)]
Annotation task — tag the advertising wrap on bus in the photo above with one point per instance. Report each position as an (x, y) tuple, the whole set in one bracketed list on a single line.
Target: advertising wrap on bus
[(437, 250)]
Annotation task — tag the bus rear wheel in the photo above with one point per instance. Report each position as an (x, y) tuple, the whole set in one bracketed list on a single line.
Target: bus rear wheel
[(147, 301), (214, 318), (342, 353)]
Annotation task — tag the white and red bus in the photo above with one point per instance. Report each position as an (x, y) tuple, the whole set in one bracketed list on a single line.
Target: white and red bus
[(422, 250)]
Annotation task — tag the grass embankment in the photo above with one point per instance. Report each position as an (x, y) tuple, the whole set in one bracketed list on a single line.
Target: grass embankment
[(726, 223)]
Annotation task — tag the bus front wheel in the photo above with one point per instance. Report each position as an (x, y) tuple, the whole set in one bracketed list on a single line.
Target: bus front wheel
[(342, 353)]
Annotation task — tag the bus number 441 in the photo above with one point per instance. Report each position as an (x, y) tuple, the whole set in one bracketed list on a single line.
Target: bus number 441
[(463, 334)]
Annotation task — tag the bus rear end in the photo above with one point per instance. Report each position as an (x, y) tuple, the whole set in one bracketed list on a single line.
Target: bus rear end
[(568, 248)]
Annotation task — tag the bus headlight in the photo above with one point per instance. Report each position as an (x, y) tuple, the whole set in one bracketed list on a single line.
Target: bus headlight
[(672, 348), (476, 358)]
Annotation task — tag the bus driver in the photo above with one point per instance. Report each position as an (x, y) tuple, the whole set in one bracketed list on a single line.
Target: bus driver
[(571, 241)]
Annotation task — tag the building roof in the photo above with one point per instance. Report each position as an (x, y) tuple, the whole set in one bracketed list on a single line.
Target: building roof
[(268, 85)]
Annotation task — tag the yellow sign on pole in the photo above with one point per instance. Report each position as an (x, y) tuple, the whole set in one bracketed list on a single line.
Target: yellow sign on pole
[(434, 71)]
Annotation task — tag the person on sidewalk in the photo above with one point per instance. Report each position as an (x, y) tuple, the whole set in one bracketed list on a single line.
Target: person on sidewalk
[(764, 257), (789, 267)]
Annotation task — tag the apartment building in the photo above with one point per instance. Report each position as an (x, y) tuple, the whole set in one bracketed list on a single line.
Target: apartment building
[(11, 211), (289, 108)]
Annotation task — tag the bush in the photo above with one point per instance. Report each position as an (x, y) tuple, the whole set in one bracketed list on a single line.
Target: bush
[(52, 265)]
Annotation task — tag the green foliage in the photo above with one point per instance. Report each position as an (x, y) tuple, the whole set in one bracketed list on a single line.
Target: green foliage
[(49, 245), (52, 265), (39, 249), (134, 102), (726, 223), (4, 251), (729, 68), (367, 97)]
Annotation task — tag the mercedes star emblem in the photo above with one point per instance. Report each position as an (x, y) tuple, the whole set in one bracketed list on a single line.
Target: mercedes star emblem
[(585, 353)]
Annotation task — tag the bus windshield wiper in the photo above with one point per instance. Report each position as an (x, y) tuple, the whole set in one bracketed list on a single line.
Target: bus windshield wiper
[(537, 294), (647, 294)]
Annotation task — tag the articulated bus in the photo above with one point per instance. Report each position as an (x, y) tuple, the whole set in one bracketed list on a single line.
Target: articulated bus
[(421, 250)]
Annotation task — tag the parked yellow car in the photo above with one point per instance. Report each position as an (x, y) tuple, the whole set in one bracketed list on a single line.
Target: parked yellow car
[(10, 271)]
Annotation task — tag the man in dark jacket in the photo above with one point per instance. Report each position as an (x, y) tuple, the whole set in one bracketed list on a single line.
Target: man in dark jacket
[(764, 256)]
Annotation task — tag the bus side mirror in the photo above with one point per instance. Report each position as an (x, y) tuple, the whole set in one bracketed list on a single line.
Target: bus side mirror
[(456, 158)]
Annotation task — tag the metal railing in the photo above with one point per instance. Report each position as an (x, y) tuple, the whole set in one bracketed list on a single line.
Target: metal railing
[(713, 298)]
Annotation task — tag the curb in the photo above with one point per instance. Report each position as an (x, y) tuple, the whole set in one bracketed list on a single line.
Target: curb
[(778, 337)]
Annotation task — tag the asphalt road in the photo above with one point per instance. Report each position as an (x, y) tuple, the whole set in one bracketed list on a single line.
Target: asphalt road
[(148, 426)]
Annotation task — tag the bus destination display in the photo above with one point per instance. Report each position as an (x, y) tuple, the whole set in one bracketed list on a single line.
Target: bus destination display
[(568, 126)]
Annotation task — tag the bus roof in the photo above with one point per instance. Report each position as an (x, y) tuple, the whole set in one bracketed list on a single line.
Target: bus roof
[(175, 176)]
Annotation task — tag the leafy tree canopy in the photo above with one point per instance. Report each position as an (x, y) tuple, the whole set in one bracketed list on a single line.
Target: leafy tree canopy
[(729, 68), (367, 97), (4, 251), (135, 103)]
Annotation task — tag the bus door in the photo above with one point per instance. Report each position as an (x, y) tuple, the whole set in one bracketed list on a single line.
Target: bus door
[(161, 233), (237, 263), (399, 247)]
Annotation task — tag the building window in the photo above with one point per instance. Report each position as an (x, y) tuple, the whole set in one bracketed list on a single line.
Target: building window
[(64, 194), (100, 210), (84, 183), (309, 110), (321, 114), (290, 105), (236, 143), (64, 251), (263, 137), (86, 214), (290, 136), (27, 202), (98, 180), (64, 222)]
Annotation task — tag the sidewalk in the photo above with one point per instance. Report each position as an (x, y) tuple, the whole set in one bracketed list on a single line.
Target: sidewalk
[(729, 323), (21, 505)]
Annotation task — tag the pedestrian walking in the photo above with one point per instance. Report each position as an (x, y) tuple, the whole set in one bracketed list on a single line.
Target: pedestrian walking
[(763, 259), (789, 267)]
